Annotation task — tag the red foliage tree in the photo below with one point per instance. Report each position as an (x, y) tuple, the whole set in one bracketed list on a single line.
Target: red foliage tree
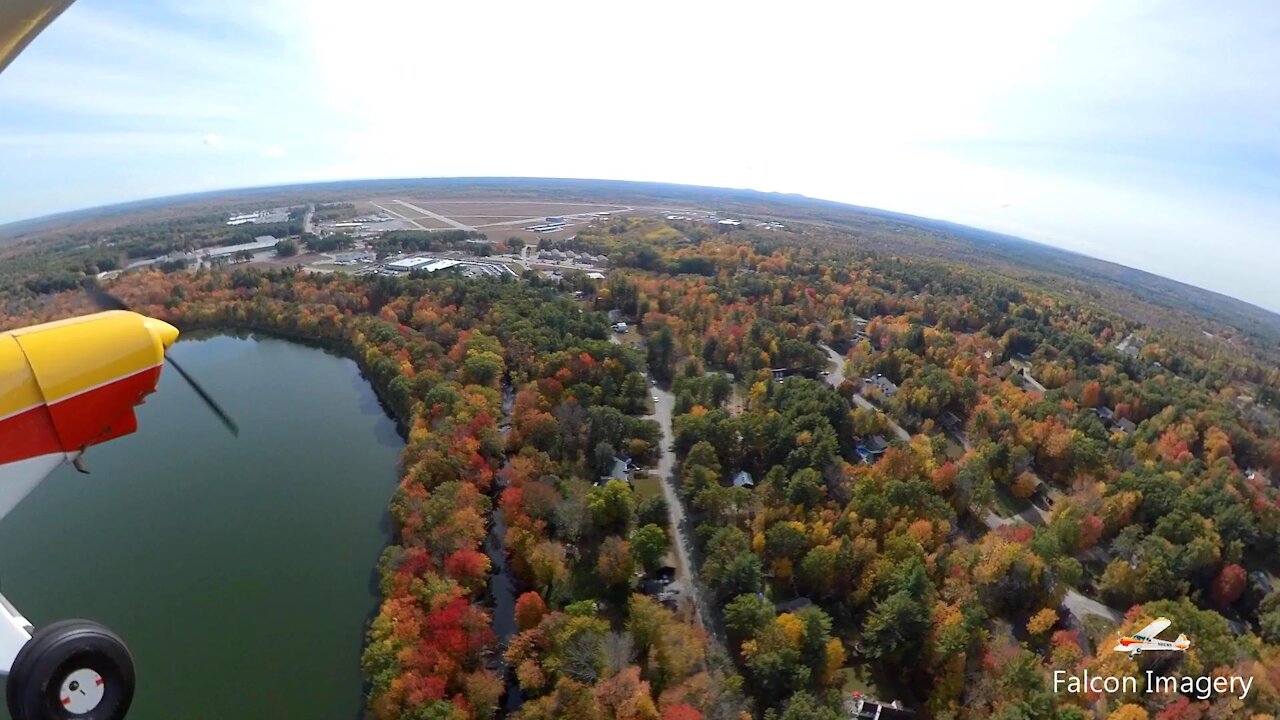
[(469, 567), (1229, 584), (681, 711), (530, 609)]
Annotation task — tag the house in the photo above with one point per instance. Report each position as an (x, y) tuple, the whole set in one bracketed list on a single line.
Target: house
[(799, 603), (742, 479), (871, 448), (656, 583), (881, 383), (1263, 582), (1106, 415), (781, 374), (622, 469), (1126, 426), (1130, 346), (951, 422), (860, 707), (1256, 475)]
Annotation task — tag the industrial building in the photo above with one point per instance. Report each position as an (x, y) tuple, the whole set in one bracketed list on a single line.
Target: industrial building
[(277, 215), (260, 243), (471, 268)]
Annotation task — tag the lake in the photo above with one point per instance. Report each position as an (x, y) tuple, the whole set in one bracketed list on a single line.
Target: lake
[(240, 571)]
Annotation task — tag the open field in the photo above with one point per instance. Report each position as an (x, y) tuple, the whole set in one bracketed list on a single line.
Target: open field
[(510, 210), (413, 218), (299, 259), (480, 221)]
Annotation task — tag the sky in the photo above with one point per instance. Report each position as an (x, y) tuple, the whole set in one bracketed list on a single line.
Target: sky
[(1146, 133)]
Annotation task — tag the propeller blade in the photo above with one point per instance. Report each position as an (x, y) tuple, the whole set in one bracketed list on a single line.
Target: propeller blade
[(222, 415), (107, 301), (103, 299)]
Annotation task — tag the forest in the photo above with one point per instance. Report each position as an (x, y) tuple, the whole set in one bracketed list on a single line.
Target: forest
[(918, 517)]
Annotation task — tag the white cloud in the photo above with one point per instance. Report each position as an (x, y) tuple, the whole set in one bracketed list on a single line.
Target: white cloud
[(1121, 129)]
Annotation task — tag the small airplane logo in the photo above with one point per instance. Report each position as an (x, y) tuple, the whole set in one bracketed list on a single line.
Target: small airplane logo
[(1145, 640)]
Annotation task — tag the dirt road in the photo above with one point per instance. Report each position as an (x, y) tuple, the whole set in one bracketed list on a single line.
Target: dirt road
[(681, 528)]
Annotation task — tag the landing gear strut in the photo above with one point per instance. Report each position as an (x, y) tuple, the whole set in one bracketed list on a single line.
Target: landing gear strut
[(71, 670)]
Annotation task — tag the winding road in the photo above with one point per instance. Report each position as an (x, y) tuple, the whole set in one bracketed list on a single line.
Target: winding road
[(1073, 602), (837, 376)]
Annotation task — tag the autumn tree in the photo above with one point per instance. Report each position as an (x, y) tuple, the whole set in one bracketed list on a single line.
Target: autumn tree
[(649, 546), (529, 610)]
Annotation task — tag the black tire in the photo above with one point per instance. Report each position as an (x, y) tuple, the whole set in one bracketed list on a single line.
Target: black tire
[(53, 653)]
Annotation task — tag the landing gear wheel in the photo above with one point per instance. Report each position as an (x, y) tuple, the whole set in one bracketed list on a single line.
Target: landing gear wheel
[(71, 670)]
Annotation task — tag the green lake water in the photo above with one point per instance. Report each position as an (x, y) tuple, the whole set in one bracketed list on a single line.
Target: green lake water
[(240, 571)]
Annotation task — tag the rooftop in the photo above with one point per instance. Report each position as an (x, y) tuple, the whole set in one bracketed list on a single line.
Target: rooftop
[(876, 443)]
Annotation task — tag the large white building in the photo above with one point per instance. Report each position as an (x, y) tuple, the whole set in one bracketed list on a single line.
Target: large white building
[(277, 215), (410, 264), (431, 265), (260, 243)]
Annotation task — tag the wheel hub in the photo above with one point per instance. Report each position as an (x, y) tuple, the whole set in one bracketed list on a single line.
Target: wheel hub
[(81, 691)]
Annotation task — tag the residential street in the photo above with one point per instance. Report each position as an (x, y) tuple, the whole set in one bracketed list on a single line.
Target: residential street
[(837, 376), (1073, 602)]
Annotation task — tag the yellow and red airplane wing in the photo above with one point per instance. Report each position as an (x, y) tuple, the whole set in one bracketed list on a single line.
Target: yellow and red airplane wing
[(67, 385)]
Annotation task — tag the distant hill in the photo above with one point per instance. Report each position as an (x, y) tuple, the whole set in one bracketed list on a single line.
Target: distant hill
[(881, 229)]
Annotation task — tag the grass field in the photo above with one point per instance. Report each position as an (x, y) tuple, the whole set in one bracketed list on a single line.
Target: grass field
[(396, 210), (1007, 505), (485, 219), (508, 210), (857, 679), (647, 485)]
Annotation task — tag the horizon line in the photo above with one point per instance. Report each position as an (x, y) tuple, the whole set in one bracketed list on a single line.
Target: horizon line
[(906, 216)]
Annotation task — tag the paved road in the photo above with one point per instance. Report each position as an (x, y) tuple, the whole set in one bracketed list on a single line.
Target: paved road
[(1032, 515), (837, 376), (405, 218), (436, 216), (1073, 602), (837, 361), (1079, 605), (1024, 369)]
